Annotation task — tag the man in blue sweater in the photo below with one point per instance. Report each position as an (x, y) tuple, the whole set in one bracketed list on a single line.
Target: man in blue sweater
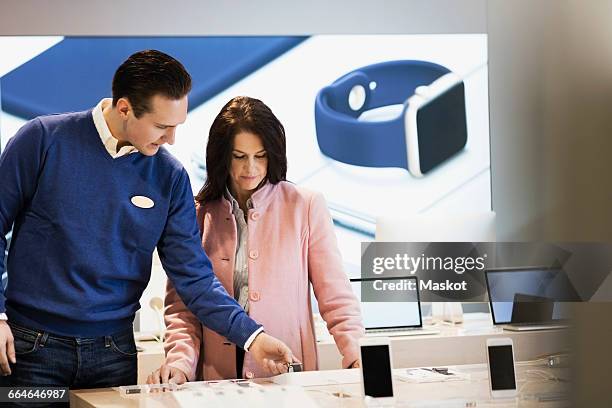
[(91, 195)]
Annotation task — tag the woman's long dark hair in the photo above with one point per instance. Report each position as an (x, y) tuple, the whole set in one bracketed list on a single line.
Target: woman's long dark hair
[(242, 114)]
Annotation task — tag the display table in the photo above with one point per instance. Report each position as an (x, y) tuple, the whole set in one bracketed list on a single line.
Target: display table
[(461, 345), (537, 384)]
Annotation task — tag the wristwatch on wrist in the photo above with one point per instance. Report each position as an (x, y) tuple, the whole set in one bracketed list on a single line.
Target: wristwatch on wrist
[(431, 128)]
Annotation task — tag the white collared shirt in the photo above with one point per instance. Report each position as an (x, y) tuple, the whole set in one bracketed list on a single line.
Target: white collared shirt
[(241, 272), (241, 269), (108, 140)]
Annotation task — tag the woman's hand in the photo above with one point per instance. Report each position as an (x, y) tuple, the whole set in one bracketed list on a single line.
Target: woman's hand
[(356, 364), (166, 374)]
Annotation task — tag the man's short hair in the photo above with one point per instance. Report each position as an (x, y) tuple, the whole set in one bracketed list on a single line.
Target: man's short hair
[(146, 74)]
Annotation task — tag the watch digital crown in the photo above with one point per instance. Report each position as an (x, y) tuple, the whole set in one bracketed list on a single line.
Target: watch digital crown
[(431, 127)]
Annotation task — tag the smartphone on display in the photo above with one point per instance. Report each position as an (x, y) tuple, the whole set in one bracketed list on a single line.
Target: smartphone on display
[(376, 369), (500, 359)]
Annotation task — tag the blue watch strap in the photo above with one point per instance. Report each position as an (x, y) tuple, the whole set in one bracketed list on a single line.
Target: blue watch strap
[(343, 137)]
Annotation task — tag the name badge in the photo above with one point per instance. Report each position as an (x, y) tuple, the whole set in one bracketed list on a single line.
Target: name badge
[(142, 202)]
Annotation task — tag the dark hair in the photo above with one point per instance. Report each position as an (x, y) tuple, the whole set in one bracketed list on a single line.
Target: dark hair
[(242, 114), (146, 74)]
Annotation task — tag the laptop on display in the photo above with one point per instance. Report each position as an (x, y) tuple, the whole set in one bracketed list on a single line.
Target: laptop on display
[(531, 298), (393, 318)]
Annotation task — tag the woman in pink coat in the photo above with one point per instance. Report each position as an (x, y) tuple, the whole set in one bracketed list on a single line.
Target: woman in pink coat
[(268, 241)]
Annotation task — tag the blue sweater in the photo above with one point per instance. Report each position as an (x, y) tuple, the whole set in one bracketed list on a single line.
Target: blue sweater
[(81, 251)]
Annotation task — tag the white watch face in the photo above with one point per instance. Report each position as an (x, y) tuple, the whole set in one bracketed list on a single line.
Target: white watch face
[(435, 124)]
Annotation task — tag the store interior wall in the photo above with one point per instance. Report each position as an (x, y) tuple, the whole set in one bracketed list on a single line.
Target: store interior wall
[(550, 95), (550, 89)]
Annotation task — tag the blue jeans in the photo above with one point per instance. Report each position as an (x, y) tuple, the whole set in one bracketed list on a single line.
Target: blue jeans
[(45, 359)]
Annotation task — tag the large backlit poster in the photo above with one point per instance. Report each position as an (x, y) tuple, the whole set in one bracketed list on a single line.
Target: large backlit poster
[(55, 74)]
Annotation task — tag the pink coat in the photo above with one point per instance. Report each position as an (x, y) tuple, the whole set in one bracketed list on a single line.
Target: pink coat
[(291, 244)]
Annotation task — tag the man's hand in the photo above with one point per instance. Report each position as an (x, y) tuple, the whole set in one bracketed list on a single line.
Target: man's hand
[(166, 374), (271, 353), (7, 348)]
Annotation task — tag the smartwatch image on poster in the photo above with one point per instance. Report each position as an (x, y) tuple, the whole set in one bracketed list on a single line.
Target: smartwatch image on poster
[(432, 126)]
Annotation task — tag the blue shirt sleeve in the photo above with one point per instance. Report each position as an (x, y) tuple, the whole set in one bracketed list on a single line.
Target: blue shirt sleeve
[(20, 165), (190, 270)]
